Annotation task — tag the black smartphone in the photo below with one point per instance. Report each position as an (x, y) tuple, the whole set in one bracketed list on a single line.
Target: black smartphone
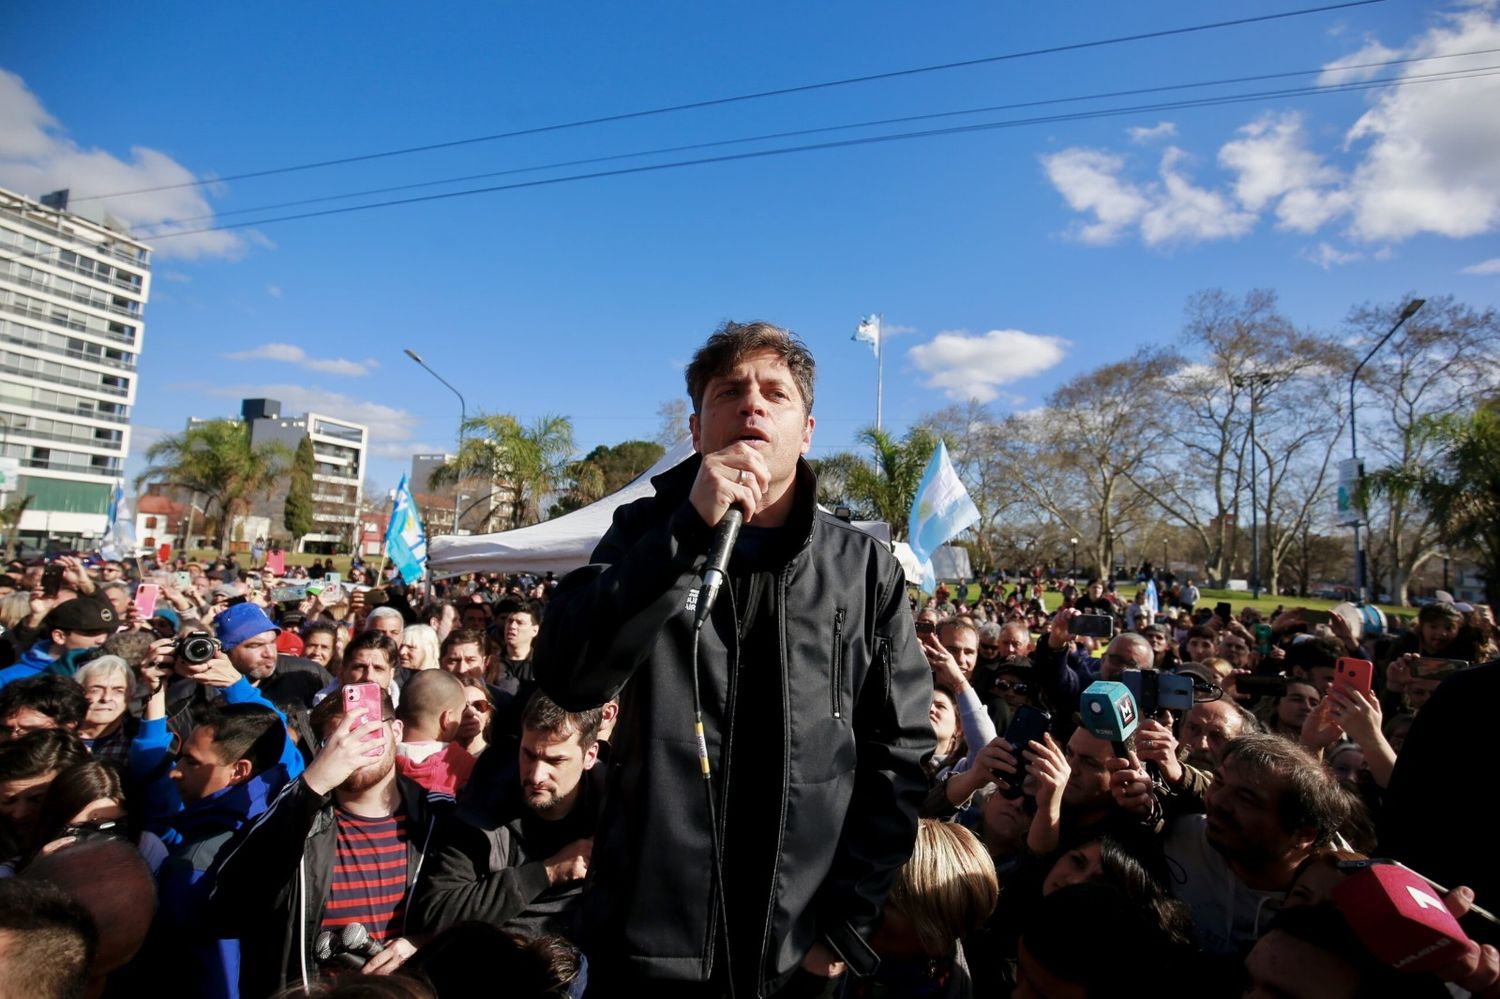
[(1026, 726), (1092, 625), (1261, 686), (52, 579), (1313, 616), (1222, 611), (1428, 668)]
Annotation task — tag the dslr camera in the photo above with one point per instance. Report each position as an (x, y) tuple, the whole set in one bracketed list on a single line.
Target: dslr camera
[(195, 647)]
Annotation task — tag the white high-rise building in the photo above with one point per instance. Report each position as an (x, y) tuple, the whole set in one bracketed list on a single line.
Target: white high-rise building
[(340, 448), (72, 294)]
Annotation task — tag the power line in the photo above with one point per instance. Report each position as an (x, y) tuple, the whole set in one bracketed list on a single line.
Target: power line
[(1452, 76), (1105, 95), (739, 98)]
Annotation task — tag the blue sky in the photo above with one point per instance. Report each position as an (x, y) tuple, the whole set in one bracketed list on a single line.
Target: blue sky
[(1005, 259)]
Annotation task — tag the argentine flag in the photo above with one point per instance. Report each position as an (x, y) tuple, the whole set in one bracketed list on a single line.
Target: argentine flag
[(405, 541), (868, 332), (118, 542), (940, 510)]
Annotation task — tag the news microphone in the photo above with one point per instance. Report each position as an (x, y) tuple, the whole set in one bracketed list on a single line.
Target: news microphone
[(1400, 919), (717, 567), (355, 939), (1109, 713)]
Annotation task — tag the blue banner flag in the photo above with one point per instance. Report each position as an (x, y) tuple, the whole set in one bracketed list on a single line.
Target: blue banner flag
[(868, 332), (118, 542), (940, 510), (405, 540)]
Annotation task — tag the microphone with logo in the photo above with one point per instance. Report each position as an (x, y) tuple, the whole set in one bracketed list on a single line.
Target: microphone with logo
[(717, 567), (1399, 917)]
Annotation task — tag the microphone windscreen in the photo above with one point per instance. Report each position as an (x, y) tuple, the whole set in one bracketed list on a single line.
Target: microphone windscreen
[(1400, 918)]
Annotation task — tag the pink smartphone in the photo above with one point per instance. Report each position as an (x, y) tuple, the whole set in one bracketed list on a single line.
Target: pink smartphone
[(362, 697), (1354, 674), (145, 600)]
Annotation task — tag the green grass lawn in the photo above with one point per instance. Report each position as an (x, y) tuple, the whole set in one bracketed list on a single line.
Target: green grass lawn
[(1208, 598)]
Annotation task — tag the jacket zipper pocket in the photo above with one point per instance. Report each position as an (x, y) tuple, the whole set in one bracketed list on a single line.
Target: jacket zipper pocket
[(837, 670)]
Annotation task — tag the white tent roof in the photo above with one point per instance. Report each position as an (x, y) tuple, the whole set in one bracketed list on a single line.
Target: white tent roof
[(563, 543), (560, 545)]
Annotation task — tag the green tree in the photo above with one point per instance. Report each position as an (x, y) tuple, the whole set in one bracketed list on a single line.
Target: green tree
[(216, 460), (520, 463), (605, 470), (1459, 487), (297, 517)]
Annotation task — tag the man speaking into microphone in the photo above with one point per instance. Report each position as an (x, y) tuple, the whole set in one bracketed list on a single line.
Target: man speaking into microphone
[(762, 868)]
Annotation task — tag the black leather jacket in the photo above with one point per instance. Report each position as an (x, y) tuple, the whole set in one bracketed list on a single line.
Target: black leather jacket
[(855, 693)]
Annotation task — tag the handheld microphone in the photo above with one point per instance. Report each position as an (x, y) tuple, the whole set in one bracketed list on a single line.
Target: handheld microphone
[(1400, 919), (1109, 713), (717, 567)]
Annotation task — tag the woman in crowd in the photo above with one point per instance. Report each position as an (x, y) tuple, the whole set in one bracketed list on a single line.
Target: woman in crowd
[(419, 647), (88, 800)]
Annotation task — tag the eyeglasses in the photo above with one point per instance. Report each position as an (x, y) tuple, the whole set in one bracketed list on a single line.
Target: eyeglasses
[(483, 707), (1007, 686), (989, 648)]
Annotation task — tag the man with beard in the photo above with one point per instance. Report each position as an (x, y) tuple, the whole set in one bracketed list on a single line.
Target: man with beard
[(1270, 807), (320, 858), (517, 858), (1187, 767)]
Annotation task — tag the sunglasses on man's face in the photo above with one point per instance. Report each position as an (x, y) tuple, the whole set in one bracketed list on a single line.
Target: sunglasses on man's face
[(1008, 686)]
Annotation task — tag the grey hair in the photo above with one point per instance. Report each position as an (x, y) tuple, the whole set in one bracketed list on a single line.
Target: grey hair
[(106, 666), (989, 632), (1137, 642), (383, 612)]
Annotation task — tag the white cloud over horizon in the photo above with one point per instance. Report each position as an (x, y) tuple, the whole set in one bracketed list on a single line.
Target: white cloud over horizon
[(37, 156), (1491, 266), (1141, 135), (1419, 161), (292, 354), (967, 366)]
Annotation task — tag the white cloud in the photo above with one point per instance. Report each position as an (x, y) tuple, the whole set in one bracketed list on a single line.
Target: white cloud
[(174, 277), (1356, 66), (1327, 256), (1171, 209), (274, 290), (1490, 266), (1420, 160), (973, 367), (292, 354), (1141, 135), (1274, 165), (1089, 180), (1430, 150), (36, 156)]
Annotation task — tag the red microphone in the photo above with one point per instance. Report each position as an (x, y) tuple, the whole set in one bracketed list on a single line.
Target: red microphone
[(1400, 918)]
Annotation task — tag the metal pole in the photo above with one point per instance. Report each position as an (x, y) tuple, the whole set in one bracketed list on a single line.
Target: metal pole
[(463, 409), (1359, 470), (879, 369), (1254, 507)]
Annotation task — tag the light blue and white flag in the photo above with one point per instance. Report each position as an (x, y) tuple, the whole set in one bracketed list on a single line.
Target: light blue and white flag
[(118, 542), (940, 510), (405, 540), (1152, 599), (869, 332)]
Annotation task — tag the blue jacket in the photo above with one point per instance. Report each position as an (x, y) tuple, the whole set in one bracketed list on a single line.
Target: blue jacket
[(33, 663), (197, 961)]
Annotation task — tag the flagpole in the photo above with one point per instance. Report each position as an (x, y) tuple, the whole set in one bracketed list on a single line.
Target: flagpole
[(879, 370)]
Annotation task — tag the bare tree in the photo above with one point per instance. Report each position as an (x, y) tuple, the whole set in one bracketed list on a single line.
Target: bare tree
[(1435, 365)]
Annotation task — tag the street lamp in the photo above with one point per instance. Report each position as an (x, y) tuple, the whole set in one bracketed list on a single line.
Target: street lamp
[(1253, 381), (1359, 468), (463, 411), (1074, 542)]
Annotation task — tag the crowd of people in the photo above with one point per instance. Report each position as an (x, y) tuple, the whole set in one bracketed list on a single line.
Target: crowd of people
[(220, 780)]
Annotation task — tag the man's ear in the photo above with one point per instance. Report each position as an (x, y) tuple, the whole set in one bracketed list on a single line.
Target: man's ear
[(240, 772), (59, 637), (693, 428), (591, 755), (398, 729)]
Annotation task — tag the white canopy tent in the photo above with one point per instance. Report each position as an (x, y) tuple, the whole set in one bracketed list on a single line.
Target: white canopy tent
[(563, 543)]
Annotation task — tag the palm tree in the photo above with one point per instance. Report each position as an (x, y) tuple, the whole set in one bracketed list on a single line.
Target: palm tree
[(215, 459), (885, 488), (523, 464)]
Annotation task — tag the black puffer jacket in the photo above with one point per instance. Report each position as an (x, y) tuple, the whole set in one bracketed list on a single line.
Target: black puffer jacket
[(853, 731)]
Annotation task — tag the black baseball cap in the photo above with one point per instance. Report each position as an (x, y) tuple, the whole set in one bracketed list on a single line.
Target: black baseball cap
[(81, 614)]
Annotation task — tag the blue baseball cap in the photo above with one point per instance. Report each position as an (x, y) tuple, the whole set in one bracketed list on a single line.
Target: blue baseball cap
[(235, 624)]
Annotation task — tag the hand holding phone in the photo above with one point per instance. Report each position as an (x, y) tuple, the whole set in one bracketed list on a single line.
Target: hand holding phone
[(145, 600), (1354, 674)]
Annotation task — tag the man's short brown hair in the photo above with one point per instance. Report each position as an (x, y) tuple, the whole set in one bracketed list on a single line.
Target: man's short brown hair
[(732, 342), (542, 714)]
